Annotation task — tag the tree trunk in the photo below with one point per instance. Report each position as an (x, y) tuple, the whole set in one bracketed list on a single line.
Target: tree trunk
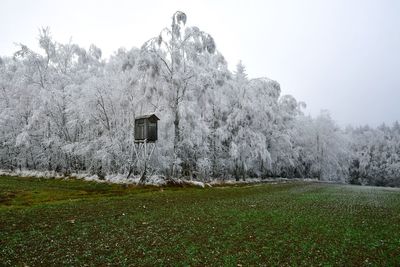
[(236, 171), (143, 177), (243, 172), (176, 141), (130, 172), (176, 131)]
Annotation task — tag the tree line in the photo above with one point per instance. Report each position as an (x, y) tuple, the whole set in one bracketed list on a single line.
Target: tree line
[(66, 109)]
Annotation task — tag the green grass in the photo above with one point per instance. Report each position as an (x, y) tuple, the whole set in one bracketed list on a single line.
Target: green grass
[(76, 223)]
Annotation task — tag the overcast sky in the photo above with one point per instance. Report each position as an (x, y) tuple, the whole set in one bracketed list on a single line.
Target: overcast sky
[(343, 56)]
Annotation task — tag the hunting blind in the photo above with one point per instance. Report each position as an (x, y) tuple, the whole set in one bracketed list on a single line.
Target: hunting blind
[(145, 133), (146, 128)]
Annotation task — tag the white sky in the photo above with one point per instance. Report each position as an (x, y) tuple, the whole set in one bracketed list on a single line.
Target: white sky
[(339, 55)]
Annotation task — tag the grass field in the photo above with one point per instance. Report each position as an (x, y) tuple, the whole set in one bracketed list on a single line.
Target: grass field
[(76, 223)]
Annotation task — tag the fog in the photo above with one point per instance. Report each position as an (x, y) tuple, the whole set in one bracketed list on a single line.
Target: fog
[(342, 56)]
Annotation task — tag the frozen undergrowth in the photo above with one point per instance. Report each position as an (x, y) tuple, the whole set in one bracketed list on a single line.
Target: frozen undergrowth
[(155, 180)]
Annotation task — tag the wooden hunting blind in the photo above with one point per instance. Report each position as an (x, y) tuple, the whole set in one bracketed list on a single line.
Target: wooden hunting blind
[(146, 128)]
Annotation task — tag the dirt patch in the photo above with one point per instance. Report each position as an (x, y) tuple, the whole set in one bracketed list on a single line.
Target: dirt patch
[(6, 197)]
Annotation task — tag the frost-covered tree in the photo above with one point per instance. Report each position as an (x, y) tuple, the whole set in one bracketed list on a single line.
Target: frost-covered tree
[(376, 155), (176, 56), (66, 109)]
